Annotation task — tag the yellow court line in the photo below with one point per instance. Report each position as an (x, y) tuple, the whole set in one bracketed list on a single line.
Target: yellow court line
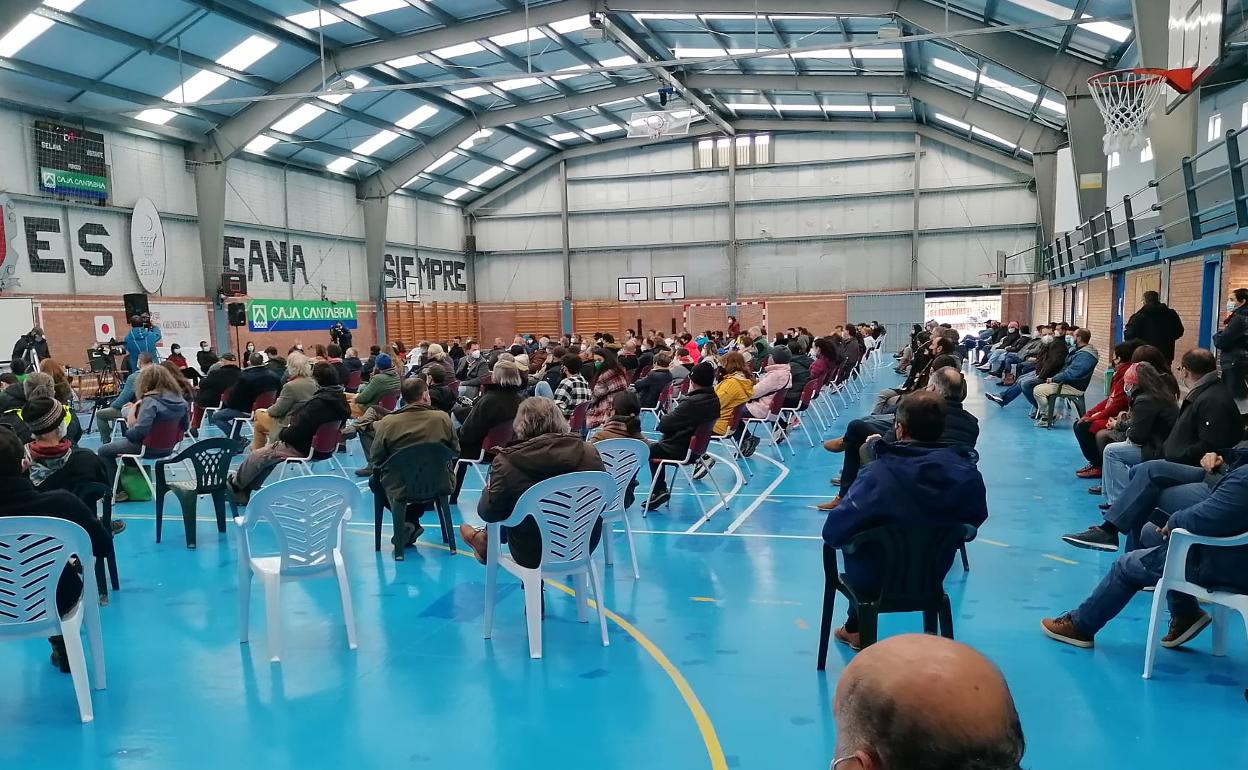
[(801, 624), (992, 542), (1059, 558), (714, 751), (710, 599)]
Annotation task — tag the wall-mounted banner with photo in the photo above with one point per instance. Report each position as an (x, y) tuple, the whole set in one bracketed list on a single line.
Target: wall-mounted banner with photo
[(272, 315), (182, 323)]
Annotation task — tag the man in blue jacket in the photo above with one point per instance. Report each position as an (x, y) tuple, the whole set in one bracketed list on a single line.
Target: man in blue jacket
[(914, 480), (1222, 512), (1075, 375), (142, 338)]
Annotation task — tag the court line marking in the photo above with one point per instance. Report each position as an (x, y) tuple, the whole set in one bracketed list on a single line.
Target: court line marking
[(997, 543), (727, 499), (749, 511), (1059, 558)]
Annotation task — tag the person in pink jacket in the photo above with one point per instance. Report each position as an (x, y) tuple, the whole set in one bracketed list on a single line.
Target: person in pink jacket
[(775, 376)]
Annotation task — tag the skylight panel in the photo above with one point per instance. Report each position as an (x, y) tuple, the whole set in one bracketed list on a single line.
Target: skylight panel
[(316, 19), (486, 176), (261, 144), (598, 130), (943, 118), (416, 117), (456, 194), (298, 118), (565, 137), (618, 61), (574, 24), (406, 61), (1115, 32), (341, 165), (440, 162), (1021, 94), (203, 82), (463, 49), (471, 92), (31, 27), (468, 143), (699, 53), (376, 142), (977, 131), (518, 37), (356, 80), (247, 53), (519, 156), (518, 83)]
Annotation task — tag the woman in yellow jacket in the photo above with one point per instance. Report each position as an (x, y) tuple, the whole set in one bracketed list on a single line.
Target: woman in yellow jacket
[(734, 389)]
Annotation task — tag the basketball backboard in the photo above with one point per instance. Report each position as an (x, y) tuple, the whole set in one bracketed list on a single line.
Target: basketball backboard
[(632, 289), (670, 287), (1195, 40)]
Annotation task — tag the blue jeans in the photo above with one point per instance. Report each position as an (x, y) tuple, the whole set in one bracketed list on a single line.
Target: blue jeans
[(1132, 572), (1023, 385), (994, 359), (1155, 484), (1116, 463), (223, 419), (1003, 363), (856, 434)]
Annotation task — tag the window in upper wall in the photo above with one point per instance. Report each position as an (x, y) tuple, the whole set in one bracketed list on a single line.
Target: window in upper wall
[(1114, 161), (1146, 154), (1215, 127), (751, 150)]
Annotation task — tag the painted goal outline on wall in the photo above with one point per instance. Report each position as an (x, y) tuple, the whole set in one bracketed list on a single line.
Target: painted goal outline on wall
[(700, 316)]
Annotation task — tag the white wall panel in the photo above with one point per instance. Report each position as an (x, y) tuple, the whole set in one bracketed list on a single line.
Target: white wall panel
[(323, 205), (594, 274), (813, 266), (417, 222), (542, 233), (836, 179), (675, 156), (520, 278), (146, 168), (806, 147), (663, 190), (958, 208), (943, 166), (966, 259)]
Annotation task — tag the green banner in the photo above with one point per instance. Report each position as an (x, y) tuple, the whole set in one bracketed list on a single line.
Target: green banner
[(72, 182), (274, 315)]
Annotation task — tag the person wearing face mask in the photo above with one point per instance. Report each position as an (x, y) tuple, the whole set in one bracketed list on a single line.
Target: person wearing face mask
[(1049, 361), (1232, 344), (205, 358), (1020, 357), (611, 378), (1074, 377), (177, 359), (1208, 422), (32, 342), (1001, 347), (1098, 417), (251, 348), (472, 367)]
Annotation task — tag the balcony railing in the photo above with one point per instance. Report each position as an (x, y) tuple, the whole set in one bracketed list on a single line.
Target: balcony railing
[(1131, 231)]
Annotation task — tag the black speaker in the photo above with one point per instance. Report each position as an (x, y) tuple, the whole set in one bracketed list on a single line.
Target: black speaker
[(470, 244), (238, 313), (136, 304)]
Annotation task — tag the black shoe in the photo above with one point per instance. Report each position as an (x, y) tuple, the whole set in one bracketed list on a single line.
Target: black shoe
[(1096, 490), (409, 530), (118, 526), (59, 657), (1093, 538), (749, 444), (703, 467), (366, 471), (194, 433), (659, 498), (1104, 506), (995, 398)]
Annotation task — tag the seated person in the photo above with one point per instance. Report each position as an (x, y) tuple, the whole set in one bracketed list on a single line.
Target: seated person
[(383, 382), (542, 449), (735, 388), (105, 418), (938, 355), (961, 430), (1013, 334), (774, 377), (351, 360), (253, 381), (55, 463), (19, 497), (800, 366), (298, 388), (36, 385), (212, 388), (370, 363), (626, 420), (1208, 422), (471, 368), (333, 356), (1075, 376), (920, 698), (699, 406), (1049, 361), (160, 401), (1144, 429), (1097, 418), (1216, 512), (496, 406), (439, 394), (573, 389), (913, 480), (418, 422), (327, 405), (650, 387), (825, 363), (1020, 359)]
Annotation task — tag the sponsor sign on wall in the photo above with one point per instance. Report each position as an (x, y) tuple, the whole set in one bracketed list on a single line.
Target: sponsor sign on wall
[(147, 245), (270, 315), (184, 324)]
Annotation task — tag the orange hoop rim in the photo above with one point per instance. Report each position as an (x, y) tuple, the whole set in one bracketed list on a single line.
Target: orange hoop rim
[(1181, 80)]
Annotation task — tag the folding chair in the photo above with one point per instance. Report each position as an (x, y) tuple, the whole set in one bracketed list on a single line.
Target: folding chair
[(209, 411), (730, 441), (577, 423), (663, 407), (389, 402), (698, 444), (324, 448), (792, 412), (161, 441), (262, 401), (770, 421), (497, 436)]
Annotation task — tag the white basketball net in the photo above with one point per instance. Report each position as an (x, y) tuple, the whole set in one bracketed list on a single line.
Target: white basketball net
[(1126, 99)]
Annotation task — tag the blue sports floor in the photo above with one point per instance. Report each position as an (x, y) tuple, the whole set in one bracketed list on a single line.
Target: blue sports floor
[(711, 663)]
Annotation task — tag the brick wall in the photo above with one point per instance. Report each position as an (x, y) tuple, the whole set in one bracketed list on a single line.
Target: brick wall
[(1234, 271), (1057, 304), (1081, 307), (1015, 298), (1099, 317), (1186, 286)]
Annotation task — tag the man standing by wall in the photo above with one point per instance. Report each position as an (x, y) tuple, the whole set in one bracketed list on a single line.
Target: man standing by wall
[(1156, 324), (142, 338)]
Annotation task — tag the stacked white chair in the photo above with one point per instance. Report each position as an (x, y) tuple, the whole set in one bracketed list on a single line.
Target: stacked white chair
[(565, 509), (306, 514), (33, 553)]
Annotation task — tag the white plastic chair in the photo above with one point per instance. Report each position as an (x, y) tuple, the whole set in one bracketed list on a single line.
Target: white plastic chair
[(33, 553), (624, 459), (565, 509), (1174, 578), (306, 514)]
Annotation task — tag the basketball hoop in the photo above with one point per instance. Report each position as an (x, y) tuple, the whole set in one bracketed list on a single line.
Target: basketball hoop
[(1127, 98), (655, 125)]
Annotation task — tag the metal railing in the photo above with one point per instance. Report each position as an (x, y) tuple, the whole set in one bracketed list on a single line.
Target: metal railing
[(1131, 230)]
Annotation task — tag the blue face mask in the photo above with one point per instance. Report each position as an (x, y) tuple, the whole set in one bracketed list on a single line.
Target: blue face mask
[(1070, 340)]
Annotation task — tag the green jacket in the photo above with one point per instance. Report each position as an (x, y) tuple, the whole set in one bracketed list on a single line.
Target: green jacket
[(379, 385), (409, 426), (293, 393)]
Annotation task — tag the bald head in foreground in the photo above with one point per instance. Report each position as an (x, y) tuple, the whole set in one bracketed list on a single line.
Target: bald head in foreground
[(918, 701)]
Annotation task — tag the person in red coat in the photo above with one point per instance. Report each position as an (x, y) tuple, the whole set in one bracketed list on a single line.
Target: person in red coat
[(1097, 418)]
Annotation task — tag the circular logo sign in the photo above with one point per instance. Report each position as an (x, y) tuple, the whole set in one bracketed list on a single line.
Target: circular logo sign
[(147, 245)]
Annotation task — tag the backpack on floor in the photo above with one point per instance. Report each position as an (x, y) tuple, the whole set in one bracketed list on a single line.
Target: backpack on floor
[(134, 485)]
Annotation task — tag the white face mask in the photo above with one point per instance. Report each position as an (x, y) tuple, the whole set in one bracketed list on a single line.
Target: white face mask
[(1231, 305), (1047, 338), (475, 354), (203, 347), (1070, 340)]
